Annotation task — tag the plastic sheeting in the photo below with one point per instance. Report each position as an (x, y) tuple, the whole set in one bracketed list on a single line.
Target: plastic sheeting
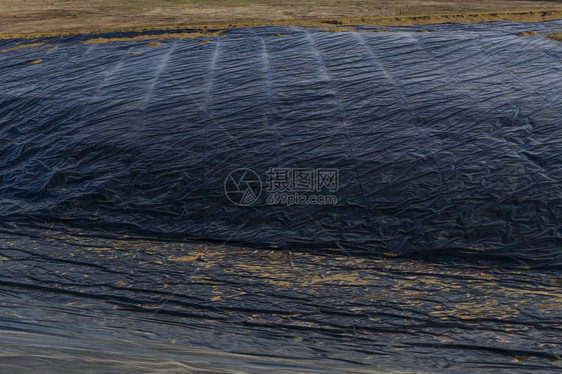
[(83, 304), (446, 143)]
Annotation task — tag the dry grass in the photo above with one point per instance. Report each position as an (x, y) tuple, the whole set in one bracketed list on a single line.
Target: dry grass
[(77, 16), (556, 36), (21, 46), (182, 35), (528, 33), (338, 29)]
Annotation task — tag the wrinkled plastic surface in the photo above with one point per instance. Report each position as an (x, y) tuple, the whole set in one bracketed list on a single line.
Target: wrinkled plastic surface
[(447, 144), (443, 140), (83, 304)]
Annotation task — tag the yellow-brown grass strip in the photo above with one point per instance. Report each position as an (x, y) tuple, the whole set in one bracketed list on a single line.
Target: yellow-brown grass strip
[(465, 18)]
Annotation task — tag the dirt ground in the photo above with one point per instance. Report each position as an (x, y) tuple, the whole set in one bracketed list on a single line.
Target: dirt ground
[(70, 16)]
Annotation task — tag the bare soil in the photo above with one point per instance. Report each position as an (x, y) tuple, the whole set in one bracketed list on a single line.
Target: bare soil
[(74, 16)]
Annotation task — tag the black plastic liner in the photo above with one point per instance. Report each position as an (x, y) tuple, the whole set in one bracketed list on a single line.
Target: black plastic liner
[(115, 162), (74, 303), (446, 142)]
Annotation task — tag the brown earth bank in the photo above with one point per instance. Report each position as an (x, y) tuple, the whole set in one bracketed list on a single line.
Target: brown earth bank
[(75, 16)]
